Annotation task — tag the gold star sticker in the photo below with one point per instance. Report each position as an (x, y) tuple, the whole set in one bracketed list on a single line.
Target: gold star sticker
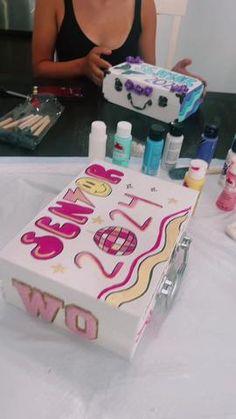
[(58, 268), (97, 220), (172, 201)]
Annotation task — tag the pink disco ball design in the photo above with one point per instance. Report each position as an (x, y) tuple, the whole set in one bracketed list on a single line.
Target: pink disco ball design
[(116, 241)]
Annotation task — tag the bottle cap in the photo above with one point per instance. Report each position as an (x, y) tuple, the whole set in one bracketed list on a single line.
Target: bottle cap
[(211, 131), (176, 129), (98, 128), (197, 169), (157, 132), (233, 146), (124, 129)]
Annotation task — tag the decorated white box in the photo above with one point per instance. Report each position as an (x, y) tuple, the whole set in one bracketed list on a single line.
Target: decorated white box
[(153, 91), (93, 261)]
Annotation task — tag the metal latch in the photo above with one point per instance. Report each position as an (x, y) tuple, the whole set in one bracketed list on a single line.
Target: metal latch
[(173, 277)]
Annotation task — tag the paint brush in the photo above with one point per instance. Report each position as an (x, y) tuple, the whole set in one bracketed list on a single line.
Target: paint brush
[(9, 123), (5, 122), (42, 127), (12, 93), (38, 124)]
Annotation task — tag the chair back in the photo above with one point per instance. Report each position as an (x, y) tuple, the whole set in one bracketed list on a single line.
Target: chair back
[(173, 11)]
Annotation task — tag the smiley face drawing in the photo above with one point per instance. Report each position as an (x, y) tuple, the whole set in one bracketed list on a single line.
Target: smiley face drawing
[(94, 186)]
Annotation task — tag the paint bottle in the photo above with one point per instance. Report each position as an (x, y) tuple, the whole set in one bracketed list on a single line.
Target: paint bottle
[(227, 199), (122, 144), (153, 149), (173, 144), (195, 177), (97, 141), (230, 158), (208, 143)]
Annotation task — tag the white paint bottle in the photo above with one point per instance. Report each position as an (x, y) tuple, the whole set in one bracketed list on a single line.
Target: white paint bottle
[(97, 141), (173, 144)]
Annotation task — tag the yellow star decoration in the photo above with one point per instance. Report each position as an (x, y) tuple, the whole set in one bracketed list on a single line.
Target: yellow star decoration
[(172, 201), (97, 220), (58, 268)]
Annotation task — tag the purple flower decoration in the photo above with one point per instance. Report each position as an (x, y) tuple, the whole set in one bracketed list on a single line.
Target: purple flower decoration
[(185, 89), (148, 91), (138, 60), (129, 59), (129, 85), (181, 89), (134, 60), (138, 89)]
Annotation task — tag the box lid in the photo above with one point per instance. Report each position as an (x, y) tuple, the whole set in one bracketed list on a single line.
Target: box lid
[(156, 76), (109, 235)]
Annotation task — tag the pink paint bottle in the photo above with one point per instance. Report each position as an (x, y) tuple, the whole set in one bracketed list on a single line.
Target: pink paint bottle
[(227, 199)]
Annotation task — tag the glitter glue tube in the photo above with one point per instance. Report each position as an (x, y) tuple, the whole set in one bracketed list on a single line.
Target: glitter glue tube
[(230, 158), (208, 143), (227, 199), (173, 144), (122, 144), (153, 150), (97, 141)]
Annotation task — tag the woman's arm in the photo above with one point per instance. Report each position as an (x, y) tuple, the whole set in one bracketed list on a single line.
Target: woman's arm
[(43, 45), (43, 48), (147, 41)]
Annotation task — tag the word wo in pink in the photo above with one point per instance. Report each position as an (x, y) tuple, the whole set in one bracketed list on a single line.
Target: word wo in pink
[(46, 306)]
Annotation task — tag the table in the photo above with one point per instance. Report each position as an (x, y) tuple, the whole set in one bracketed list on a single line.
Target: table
[(69, 137), (185, 365)]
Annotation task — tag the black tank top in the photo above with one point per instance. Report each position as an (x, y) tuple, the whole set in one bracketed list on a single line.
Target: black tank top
[(72, 43)]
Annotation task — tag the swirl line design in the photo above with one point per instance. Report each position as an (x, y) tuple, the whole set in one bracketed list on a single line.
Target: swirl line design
[(146, 267), (153, 248)]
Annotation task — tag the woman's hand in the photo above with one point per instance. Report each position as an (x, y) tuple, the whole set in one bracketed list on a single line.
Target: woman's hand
[(94, 65), (181, 67)]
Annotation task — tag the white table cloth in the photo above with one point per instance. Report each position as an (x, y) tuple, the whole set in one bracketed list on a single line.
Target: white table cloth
[(183, 368)]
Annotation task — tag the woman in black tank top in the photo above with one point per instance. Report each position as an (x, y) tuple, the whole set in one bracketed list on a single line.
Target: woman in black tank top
[(56, 29), (73, 43)]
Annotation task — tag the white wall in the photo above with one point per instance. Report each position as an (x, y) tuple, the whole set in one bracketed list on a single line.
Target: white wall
[(208, 36)]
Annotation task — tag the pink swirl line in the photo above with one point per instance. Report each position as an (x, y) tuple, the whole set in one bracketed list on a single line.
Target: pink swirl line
[(156, 245)]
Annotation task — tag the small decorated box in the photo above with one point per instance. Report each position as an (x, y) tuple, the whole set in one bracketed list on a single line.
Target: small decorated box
[(153, 91), (93, 261)]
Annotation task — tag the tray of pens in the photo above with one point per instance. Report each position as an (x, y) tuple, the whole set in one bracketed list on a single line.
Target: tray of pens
[(27, 124)]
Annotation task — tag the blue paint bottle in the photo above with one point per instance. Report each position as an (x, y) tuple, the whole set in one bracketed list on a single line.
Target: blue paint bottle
[(208, 143), (153, 149)]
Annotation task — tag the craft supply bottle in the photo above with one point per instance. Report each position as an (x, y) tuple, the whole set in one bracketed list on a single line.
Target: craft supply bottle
[(122, 144), (153, 149), (195, 177), (227, 199), (173, 144), (230, 158), (97, 141), (208, 143)]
